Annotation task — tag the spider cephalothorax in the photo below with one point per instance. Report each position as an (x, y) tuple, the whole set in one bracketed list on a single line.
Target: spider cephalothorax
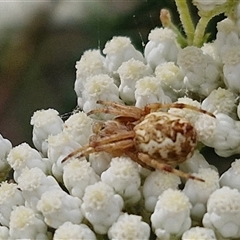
[(149, 136)]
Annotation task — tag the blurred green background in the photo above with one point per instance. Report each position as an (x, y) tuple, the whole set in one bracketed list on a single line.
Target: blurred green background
[(40, 43)]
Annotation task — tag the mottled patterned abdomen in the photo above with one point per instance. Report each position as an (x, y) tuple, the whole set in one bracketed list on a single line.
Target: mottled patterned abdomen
[(165, 137)]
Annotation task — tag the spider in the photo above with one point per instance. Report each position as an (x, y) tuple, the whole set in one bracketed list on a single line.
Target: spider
[(150, 136)]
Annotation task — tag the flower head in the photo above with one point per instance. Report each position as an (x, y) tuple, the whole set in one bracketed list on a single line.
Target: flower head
[(199, 233), (129, 227), (231, 177), (227, 36), (226, 138), (69, 230), (223, 212), (194, 163), (10, 197), (171, 79), (23, 156), (33, 183), (4, 232), (185, 113), (221, 101), (5, 147), (155, 184), (77, 175), (90, 64), (202, 73), (60, 146), (162, 47), (79, 126), (25, 223), (149, 90), (209, 5), (231, 61), (199, 192), (130, 72), (100, 202), (174, 206), (119, 50), (99, 87), (124, 177), (45, 123), (58, 207)]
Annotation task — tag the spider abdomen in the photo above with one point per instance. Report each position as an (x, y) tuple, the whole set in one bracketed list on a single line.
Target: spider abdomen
[(165, 137)]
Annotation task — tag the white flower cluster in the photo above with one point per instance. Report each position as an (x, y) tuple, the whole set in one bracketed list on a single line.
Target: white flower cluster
[(104, 196)]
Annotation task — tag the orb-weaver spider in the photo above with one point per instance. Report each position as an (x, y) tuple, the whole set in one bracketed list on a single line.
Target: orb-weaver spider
[(153, 138)]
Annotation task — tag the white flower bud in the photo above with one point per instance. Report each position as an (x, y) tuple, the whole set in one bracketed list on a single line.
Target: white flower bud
[(171, 79), (202, 73), (194, 163), (79, 127), (186, 113), (60, 146), (100, 162), (77, 175), (25, 223), (58, 207), (207, 6), (199, 192), (231, 177), (101, 206), (161, 48), (211, 49), (223, 213), (45, 123), (149, 90), (23, 156), (119, 50), (205, 127), (5, 147), (72, 231), (130, 72), (129, 227), (90, 64), (155, 184), (199, 233), (124, 177), (221, 101), (226, 139), (10, 197), (227, 36), (33, 183), (99, 87), (238, 110), (231, 65), (4, 233), (174, 206)]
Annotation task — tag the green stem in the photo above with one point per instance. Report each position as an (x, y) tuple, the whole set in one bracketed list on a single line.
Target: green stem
[(200, 31), (180, 38), (186, 19), (206, 17)]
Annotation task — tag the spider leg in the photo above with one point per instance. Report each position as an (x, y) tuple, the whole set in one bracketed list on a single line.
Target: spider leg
[(153, 107), (118, 109), (115, 148), (165, 167), (112, 139), (80, 152), (110, 144)]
